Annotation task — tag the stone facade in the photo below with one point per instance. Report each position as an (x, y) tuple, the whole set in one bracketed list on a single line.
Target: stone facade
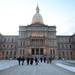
[(37, 39), (66, 46), (8, 46)]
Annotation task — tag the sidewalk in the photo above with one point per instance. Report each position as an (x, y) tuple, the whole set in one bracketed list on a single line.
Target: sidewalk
[(41, 69)]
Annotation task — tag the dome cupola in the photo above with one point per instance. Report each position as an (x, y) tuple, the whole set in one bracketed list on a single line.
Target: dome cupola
[(37, 18)]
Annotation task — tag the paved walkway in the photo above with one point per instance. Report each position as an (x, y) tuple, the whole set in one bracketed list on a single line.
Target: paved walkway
[(41, 69)]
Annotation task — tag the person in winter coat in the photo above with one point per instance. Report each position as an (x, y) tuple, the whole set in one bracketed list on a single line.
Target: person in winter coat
[(23, 59), (19, 59)]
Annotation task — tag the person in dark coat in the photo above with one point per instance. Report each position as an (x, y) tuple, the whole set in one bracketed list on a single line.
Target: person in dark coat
[(36, 61), (31, 61), (41, 59), (23, 59), (47, 60), (44, 59), (28, 60), (19, 59), (50, 60)]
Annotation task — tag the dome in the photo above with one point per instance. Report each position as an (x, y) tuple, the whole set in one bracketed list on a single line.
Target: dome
[(37, 18)]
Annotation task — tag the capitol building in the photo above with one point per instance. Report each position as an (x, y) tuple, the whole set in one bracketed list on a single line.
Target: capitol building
[(37, 39)]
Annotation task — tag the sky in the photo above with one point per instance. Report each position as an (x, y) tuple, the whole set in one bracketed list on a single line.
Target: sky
[(15, 13)]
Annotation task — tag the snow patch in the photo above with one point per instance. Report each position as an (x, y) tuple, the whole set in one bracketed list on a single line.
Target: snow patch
[(4, 64), (70, 68)]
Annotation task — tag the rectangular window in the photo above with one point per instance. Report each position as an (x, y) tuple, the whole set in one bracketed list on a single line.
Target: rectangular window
[(33, 51), (14, 53), (7, 53), (37, 51), (70, 46), (3, 46), (41, 51)]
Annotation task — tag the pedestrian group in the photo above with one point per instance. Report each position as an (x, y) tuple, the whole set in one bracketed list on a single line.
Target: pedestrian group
[(31, 60)]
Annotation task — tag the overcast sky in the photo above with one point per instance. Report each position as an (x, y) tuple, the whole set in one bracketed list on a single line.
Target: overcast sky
[(14, 13)]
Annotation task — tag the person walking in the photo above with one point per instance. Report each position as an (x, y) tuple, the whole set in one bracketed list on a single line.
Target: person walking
[(23, 59), (36, 60), (41, 59), (44, 59), (19, 59), (31, 61), (50, 60), (47, 60), (28, 60)]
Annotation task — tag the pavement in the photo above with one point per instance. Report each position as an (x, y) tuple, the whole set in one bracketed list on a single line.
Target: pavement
[(40, 69)]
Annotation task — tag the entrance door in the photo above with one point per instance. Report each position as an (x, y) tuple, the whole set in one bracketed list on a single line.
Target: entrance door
[(37, 51)]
